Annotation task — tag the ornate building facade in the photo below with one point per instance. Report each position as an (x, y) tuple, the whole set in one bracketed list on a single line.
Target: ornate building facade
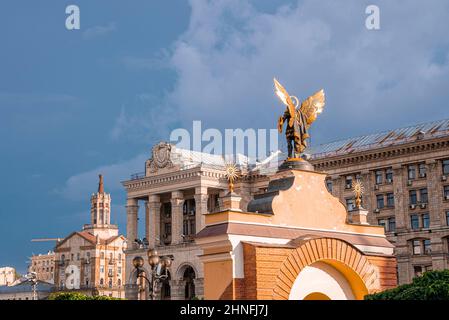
[(171, 198), (406, 177), (44, 266), (405, 173), (93, 260)]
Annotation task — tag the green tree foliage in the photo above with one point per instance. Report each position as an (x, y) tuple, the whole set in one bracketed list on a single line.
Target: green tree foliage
[(432, 285), (77, 296)]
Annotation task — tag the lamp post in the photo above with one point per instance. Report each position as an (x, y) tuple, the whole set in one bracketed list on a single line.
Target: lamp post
[(32, 277), (159, 271)]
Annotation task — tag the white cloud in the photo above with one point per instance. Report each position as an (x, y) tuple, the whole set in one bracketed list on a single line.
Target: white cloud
[(80, 186), (226, 59), (374, 80), (98, 31)]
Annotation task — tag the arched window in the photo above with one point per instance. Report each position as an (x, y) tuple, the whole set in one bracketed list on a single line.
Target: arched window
[(188, 277)]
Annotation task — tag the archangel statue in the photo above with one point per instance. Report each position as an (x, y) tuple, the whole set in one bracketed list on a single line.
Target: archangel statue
[(298, 119)]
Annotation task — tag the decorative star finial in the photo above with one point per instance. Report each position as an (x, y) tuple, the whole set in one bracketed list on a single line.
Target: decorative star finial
[(358, 189), (232, 174)]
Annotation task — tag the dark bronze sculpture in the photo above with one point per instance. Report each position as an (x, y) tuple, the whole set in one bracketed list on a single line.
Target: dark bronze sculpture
[(298, 119)]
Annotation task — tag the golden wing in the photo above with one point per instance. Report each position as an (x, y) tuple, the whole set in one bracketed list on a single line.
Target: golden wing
[(285, 98), (313, 106)]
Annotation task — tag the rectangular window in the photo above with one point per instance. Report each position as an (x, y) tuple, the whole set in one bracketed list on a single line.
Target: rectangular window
[(447, 218), (329, 185), (379, 176), (192, 227), (418, 271), (390, 200), (411, 172), (167, 229), (383, 223), (350, 204), (166, 207), (446, 166), (101, 268), (416, 247), (389, 175), (71, 256), (446, 192), (425, 220), (185, 227), (413, 197), (427, 246), (414, 222), (423, 198), (422, 170), (391, 224), (380, 201), (348, 182)]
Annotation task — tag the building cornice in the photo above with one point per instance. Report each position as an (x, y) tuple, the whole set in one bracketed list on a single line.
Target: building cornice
[(379, 154)]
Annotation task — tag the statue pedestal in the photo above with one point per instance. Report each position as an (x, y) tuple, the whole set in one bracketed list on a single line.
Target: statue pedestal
[(358, 216), (296, 164), (231, 201)]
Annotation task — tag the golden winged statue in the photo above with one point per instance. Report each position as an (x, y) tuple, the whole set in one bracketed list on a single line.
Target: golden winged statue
[(298, 119)]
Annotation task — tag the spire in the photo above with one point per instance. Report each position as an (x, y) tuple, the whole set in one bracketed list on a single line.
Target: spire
[(100, 184)]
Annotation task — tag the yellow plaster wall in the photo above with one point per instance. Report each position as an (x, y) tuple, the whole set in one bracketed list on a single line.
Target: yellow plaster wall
[(218, 275)]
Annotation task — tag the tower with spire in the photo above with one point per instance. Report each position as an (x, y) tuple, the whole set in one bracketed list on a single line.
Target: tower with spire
[(100, 212)]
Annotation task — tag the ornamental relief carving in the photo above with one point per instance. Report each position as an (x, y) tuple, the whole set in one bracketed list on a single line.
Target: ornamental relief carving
[(161, 157)]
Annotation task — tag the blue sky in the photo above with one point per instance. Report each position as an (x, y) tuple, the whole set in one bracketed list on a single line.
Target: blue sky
[(77, 103)]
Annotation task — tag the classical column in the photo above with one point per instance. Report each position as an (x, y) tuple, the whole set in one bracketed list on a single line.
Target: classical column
[(131, 221), (201, 198), (177, 201), (153, 221), (199, 287)]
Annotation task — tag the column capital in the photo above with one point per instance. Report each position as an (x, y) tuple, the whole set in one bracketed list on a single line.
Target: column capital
[(200, 190), (177, 195), (131, 202), (154, 198)]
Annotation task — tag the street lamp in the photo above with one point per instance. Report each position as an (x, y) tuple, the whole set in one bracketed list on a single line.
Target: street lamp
[(32, 277), (159, 270)]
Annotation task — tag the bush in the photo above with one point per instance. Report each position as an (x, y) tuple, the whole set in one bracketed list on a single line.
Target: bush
[(432, 285), (77, 296)]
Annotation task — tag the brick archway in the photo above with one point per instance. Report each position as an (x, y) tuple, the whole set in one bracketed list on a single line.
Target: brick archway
[(351, 262)]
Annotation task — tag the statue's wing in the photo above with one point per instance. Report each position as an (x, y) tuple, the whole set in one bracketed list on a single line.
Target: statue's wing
[(313, 106), (286, 99)]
